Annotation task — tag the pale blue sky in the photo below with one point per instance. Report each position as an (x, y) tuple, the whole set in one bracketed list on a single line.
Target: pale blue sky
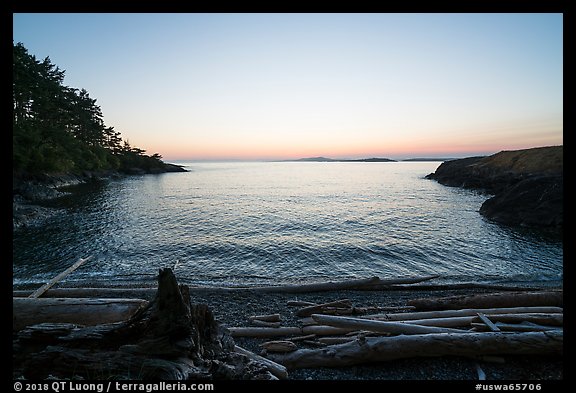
[(194, 86)]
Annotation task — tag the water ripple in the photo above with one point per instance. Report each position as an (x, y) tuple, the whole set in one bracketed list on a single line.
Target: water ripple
[(270, 223)]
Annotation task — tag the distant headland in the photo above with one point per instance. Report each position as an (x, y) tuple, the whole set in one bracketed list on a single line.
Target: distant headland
[(527, 185)]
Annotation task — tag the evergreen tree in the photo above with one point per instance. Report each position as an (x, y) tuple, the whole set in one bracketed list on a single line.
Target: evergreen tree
[(57, 128)]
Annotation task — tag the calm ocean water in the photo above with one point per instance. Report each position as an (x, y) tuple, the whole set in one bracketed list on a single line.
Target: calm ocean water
[(285, 222)]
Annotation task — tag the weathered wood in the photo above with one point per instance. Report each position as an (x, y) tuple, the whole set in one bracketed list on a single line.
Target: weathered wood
[(317, 308), (279, 346), (336, 311), (406, 316), (40, 291), (357, 284), (321, 330), (244, 331), (266, 318), (170, 338), (488, 322), (552, 319), (276, 369), (263, 332), (450, 322), (100, 293), (383, 284), (300, 303), (307, 321), (336, 340), (302, 338), (86, 312), (314, 343), (525, 327), (378, 326), (518, 327), (481, 373), (463, 321), (259, 323), (377, 349), (503, 299)]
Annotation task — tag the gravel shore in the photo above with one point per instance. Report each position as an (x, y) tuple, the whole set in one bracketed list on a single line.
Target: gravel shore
[(233, 309)]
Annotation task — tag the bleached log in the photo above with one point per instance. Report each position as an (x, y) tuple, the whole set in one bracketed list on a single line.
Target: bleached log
[(488, 322), (85, 312), (259, 323), (383, 284), (279, 346), (377, 349), (367, 310), (317, 308), (307, 321), (275, 369), (40, 291), (406, 316), (100, 293), (300, 303), (378, 326), (336, 340), (373, 283), (502, 299), (541, 318), (336, 311), (481, 373), (314, 343), (519, 327), (451, 322), (552, 319), (302, 338), (266, 318), (321, 330), (243, 331)]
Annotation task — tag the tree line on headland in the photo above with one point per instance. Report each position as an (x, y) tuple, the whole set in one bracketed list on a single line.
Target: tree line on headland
[(60, 129)]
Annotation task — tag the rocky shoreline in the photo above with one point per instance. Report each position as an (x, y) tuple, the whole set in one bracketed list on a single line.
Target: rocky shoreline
[(526, 185), (29, 191)]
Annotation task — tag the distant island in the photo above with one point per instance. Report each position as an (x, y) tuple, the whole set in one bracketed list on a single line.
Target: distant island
[(373, 159), (324, 159)]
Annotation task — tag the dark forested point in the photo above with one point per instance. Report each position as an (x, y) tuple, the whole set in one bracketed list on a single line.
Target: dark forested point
[(60, 129), (527, 185)]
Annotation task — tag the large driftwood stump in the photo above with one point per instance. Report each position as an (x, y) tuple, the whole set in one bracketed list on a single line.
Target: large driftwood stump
[(170, 339)]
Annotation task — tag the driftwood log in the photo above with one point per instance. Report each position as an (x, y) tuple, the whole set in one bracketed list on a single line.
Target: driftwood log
[(87, 312), (378, 326), (40, 291), (504, 299), (376, 349), (406, 316), (171, 338), (373, 283), (276, 369)]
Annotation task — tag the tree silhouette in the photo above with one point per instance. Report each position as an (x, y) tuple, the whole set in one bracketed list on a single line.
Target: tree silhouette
[(57, 128)]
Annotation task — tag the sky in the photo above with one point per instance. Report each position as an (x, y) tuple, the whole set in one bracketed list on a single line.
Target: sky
[(282, 86)]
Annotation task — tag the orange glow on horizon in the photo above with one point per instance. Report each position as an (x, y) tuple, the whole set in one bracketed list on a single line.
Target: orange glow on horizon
[(291, 152)]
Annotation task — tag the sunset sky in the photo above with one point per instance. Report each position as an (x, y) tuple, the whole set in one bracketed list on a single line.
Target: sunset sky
[(279, 86)]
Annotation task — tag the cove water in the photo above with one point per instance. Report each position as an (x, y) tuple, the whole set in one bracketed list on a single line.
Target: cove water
[(267, 223)]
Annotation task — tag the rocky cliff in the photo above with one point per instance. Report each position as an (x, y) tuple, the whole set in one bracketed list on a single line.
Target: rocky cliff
[(527, 185)]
